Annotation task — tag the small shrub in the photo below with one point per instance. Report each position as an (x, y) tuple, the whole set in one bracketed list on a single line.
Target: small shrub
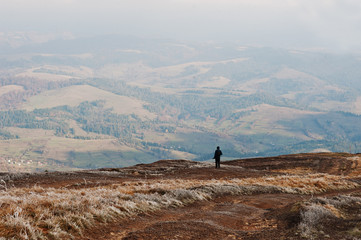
[(310, 218)]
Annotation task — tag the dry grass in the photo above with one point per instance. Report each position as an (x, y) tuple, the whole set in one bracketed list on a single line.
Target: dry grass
[(39, 213), (314, 215), (302, 184)]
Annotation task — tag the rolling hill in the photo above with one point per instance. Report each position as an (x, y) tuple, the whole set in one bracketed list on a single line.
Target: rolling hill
[(74, 95), (116, 101)]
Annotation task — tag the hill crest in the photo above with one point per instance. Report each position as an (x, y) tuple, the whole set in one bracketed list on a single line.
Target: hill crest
[(247, 199)]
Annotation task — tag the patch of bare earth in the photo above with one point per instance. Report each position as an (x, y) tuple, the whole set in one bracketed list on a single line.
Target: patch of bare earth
[(224, 218)]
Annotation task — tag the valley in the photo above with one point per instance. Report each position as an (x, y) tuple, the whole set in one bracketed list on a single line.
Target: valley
[(118, 101)]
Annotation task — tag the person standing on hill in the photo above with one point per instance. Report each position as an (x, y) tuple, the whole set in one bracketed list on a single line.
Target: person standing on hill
[(217, 157)]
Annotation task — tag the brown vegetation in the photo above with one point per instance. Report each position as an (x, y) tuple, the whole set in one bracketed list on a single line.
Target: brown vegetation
[(290, 197)]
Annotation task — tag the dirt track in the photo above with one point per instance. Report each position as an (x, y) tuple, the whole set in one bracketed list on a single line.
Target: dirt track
[(246, 217)]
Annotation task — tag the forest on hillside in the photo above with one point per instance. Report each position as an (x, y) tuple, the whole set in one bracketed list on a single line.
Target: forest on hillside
[(254, 102)]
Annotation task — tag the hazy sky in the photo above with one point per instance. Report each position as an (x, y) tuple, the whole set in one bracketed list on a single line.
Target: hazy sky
[(291, 23)]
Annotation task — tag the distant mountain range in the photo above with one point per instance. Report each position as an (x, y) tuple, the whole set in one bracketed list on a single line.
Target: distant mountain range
[(113, 101)]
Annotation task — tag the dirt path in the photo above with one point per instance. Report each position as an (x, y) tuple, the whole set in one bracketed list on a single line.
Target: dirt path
[(262, 216), (229, 217)]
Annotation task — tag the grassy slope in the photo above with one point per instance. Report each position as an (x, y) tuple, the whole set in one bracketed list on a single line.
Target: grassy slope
[(10, 88), (39, 149), (56, 72), (74, 95), (53, 210)]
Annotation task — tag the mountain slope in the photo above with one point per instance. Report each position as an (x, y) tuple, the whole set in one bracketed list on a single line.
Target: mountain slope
[(166, 99), (74, 95)]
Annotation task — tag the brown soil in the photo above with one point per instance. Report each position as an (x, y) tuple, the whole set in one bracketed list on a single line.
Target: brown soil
[(260, 216), (246, 217)]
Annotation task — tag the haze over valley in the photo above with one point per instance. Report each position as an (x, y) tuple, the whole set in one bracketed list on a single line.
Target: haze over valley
[(113, 100)]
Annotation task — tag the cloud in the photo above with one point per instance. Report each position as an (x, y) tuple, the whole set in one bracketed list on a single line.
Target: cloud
[(298, 23), (336, 23)]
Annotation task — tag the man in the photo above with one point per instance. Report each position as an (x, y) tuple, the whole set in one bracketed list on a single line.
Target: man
[(217, 157)]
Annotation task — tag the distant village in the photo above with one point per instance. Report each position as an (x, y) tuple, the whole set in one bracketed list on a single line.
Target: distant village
[(11, 164)]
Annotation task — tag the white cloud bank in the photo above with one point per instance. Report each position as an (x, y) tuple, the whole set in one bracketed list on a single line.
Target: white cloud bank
[(291, 23)]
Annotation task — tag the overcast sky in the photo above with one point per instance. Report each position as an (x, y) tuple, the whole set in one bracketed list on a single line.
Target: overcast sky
[(290, 23)]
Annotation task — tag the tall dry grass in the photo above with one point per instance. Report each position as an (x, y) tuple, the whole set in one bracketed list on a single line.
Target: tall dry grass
[(48, 213), (316, 212)]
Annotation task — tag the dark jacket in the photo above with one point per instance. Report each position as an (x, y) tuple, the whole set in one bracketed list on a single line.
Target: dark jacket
[(217, 154)]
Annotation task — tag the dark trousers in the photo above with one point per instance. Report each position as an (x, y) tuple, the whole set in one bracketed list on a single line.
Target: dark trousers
[(218, 163)]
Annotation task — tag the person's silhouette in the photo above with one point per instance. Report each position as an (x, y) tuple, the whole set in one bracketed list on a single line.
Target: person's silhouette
[(217, 157)]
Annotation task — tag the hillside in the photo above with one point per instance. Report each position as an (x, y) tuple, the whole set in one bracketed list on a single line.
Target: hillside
[(300, 196), (75, 95), (115, 101)]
